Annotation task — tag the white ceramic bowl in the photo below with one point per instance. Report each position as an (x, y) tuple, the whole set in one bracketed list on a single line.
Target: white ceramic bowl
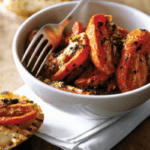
[(93, 106)]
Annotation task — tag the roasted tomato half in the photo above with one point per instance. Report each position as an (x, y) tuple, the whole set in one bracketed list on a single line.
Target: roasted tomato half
[(15, 111), (101, 50), (133, 70), (73, 56)]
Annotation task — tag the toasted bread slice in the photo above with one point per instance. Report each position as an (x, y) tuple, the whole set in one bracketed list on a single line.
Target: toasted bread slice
[(13, 134)]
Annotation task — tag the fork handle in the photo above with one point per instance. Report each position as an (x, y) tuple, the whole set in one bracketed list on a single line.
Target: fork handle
[(75, 9)]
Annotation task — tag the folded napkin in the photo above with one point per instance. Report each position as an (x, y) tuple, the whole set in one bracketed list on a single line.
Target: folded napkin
[(72, 132)]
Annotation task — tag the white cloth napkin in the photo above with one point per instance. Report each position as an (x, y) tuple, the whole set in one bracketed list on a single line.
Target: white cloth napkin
[(73, 132)]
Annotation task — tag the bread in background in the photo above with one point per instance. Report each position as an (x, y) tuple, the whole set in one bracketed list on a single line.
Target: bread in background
[(26, 8)]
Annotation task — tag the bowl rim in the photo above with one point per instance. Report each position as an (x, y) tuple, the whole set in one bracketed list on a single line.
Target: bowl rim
[(42, 84)]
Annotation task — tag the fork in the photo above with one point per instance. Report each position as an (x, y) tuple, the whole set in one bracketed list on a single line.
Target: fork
[(46, 40)]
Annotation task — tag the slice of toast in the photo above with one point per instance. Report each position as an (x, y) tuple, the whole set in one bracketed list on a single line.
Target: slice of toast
[(14, 134)]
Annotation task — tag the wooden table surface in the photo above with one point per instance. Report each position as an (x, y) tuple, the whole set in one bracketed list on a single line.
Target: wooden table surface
[(10, 80)]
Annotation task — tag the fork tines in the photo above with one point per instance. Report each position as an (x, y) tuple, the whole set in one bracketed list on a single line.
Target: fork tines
[(36, 53)]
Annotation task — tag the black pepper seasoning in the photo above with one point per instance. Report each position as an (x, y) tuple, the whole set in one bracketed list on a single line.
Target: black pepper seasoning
[(101, 32), (123, 87), (14, 101), (40, 120), (29, 129), (102, 41), (31, 101), (76, 46), (100, 24), (134, 71), (136, 43), (82, 45), (116, 66), (73, 65), (114, 27), (121, 67), (139, 47), (126, 58), (143, 30), (6, 101), (141, 60)]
